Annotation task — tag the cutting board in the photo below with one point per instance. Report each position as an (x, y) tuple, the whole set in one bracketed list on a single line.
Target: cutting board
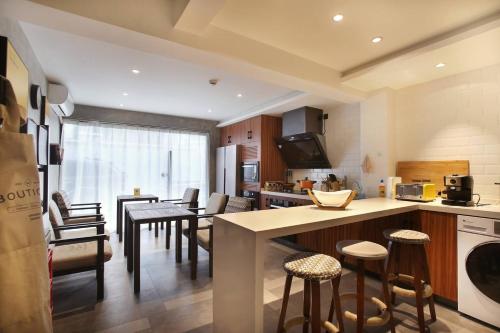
[(430, 171)]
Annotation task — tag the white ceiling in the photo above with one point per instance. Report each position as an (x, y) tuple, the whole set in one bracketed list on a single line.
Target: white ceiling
[(98, 73), (278, 53), (305, 28)]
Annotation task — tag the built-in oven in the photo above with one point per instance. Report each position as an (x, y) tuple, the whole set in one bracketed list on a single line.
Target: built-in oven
[(250, 172)]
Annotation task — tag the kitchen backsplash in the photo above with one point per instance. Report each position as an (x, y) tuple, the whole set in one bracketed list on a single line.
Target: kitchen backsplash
[(457, 117), (342, 138)]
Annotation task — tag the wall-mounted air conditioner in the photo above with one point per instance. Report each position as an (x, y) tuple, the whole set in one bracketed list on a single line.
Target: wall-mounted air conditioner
[(60, 100)]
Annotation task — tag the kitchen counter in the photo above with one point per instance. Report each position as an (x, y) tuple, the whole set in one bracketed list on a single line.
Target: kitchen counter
[(240, 242)]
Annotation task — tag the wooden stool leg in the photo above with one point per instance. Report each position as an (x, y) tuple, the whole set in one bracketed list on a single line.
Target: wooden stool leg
[(306, 310), (396, 248), (417, 282), (316, 307), (427, 278), (360, 307), (338, 309), (284, 305), (162, 225), (387, 298)]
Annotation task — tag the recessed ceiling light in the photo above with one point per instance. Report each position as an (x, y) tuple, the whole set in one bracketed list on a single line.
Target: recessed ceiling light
[(125, 93), (121, 105), (239, 95), (338, 18), (136, 71), (376, 39), (440, 65), (209, 110)]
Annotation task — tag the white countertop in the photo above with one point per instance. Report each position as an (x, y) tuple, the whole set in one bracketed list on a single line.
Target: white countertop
[(278, 222)]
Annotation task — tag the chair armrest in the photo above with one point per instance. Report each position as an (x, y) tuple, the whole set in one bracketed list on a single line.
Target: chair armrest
[(76, 217), (87, 204), (80, 225), (84, 208), (205, 215), (77, 240), (183, 203), (195, 208), (170, 200)]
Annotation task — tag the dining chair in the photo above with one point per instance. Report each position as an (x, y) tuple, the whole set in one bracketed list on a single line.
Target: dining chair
[(205, 236)]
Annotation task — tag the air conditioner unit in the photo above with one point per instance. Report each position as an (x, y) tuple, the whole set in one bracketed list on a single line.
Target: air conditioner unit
[(60, 100)]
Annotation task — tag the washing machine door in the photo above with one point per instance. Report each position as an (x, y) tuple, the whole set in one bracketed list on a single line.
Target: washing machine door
[(483, 268)]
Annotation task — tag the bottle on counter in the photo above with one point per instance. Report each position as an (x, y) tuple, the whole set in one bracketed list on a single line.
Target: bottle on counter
[(381, 189)]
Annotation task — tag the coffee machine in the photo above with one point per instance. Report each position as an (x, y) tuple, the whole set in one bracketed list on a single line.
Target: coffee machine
[(459, 190)]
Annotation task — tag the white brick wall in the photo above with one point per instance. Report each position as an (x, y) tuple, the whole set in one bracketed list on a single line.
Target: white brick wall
[(342, 145), (457, 117)]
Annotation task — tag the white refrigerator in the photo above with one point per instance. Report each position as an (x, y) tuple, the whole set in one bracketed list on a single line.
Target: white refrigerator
[(228, 170)]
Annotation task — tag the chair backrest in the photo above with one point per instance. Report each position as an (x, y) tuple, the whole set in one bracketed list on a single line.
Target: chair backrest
[(191, 196), (216, 203), (55, 217), (61, 198), (238, 204)]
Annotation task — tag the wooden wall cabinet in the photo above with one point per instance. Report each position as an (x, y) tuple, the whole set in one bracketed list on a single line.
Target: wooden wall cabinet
[(441, 251), (257, 137)]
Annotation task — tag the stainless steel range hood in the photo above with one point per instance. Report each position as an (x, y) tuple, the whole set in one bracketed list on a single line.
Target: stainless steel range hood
[(302, 145)]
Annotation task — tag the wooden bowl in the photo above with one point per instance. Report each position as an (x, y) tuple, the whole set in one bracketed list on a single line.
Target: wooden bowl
[(322, 206)]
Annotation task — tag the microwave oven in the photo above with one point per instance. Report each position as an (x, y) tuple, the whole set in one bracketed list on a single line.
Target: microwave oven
[(250, 172)]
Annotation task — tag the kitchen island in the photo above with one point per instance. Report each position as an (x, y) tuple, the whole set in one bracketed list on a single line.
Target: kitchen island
[(240, 242)]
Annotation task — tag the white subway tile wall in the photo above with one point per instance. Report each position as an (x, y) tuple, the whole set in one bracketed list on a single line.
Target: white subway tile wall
[(342, 145), (457, 117)]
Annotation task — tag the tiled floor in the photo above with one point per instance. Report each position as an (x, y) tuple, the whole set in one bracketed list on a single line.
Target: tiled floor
[(170, 302)]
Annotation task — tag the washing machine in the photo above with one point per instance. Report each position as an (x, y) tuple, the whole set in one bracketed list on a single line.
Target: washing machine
[(479, 268)]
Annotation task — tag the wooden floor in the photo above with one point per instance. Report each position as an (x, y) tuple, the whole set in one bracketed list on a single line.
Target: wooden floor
[(170, 302)]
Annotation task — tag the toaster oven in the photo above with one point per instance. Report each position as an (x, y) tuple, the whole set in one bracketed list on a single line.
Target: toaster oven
[(416, 192)]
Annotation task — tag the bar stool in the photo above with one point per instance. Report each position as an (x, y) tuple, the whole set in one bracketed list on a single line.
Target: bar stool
[(367, 251), (420, 283), (312, 268)]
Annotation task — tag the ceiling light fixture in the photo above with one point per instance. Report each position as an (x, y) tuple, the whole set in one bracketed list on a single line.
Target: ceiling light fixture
[(209, 110), (376, 39), (338, 18), (239, 95), (125, 93), (121, 105), (136, 71), (440, 65)]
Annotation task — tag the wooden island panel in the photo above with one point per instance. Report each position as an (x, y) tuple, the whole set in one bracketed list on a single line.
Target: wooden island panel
[(441, 252)]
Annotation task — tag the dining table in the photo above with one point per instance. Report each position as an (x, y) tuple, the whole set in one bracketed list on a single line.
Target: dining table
[(120, 200), (154, 213)]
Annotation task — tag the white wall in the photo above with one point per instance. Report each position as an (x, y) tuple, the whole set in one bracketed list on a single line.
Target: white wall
[(377, 139), (457, 117), (342, 145)]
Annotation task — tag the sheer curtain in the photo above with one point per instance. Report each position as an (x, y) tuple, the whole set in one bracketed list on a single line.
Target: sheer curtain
[(102, 161)]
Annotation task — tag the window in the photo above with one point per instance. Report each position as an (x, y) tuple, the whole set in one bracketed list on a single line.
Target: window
[(102, 161)]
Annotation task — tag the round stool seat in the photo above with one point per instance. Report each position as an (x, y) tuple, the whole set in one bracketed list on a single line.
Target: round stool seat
[(362, 249), (406, 236), (312, 266)]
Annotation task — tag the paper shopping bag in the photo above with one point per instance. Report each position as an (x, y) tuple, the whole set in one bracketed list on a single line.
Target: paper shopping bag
[(24, 276)]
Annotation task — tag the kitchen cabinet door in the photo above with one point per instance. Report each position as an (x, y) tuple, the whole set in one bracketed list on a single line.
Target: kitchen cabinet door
[(223, 136), (441, 252), (252, 129)]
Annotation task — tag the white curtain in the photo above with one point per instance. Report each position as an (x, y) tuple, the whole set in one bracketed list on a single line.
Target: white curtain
[(102, 161)]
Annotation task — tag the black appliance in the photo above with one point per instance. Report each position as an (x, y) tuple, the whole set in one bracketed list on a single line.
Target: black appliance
[(303, 145), (254, 195), (250, 172), (459, 190)]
